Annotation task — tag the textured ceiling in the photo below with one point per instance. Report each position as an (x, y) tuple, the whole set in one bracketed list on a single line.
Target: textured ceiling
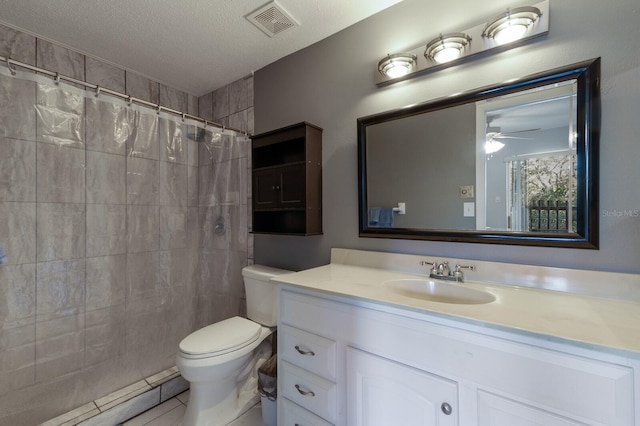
[(192, 45)]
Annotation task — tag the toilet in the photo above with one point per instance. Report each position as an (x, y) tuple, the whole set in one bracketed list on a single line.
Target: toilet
[(221, 360)]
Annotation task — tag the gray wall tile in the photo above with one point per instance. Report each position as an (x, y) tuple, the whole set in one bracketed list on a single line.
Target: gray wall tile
[(205, 106), (142, 88), (61, 174), (238, 96), (143, 140), (60, 231), (60, 116), (192, 105), (106, 229), (173, 98), (108, 126), (17, 170), (60, 292), (106, 178), (173, 227), (173, 141), (18, 293), (53, 57), (18, 232), (105, 334), (106, 282), (142, 181), (221, 103), (105, 75), (59, 347), (17, 45), (173, 184), (143, 228), (17, 117)]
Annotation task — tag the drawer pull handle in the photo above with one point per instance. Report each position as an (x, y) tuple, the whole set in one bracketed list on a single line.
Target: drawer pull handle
[(446, 408), (303, 352), (304, 392)]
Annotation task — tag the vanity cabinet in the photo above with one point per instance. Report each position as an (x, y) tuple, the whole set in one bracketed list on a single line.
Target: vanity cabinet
[(287, 180), (351, 362)]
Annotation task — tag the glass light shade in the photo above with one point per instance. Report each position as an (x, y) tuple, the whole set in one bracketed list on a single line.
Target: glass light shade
[(510, 33), (492, 146), (446, 48), (512, 25), (397, 65), (447, 54)]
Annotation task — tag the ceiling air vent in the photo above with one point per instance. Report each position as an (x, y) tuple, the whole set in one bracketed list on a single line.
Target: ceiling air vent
[(271, 19)]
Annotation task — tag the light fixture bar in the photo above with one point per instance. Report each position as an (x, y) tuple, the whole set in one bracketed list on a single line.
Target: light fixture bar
[(454, 48)]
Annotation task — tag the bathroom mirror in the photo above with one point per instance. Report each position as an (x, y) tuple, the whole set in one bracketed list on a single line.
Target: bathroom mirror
[(513, 163)]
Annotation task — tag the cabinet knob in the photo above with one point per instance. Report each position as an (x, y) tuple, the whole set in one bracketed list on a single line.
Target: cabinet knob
[(304, 392), (303, 352), (446, 408)]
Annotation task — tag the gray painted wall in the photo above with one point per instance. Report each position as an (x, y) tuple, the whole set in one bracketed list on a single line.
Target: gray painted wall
[(422, 163), (331, 84)]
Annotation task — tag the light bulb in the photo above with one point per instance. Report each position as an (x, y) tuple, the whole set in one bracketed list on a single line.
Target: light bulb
[(398, 70), (447, 54), (511, 32)]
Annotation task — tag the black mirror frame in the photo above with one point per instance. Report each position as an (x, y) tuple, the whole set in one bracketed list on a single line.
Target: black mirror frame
[(587, 74)]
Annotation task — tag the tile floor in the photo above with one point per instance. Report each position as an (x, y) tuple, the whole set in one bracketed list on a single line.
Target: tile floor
[(170, 413)]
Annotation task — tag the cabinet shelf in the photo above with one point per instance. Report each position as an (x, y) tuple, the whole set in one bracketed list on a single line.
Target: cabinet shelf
[(287, 181)]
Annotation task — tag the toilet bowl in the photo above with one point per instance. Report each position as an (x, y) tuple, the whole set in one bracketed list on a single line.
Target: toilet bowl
[(220, 361)]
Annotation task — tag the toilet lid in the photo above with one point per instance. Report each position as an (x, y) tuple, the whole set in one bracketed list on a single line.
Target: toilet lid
[(223, 336)]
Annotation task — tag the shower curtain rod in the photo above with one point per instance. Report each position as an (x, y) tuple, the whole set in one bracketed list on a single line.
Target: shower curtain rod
[(57, 77)]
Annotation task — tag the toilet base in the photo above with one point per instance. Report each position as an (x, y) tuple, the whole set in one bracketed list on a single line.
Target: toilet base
[(221, 402)]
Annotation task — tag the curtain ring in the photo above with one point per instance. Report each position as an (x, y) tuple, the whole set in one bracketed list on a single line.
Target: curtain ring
[(56, 79), (11, 70), (129, 100), (158, 109), (98, 89)]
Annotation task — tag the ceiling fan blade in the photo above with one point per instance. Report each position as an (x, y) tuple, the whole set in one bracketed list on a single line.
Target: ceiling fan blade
[(519, 131), (511, 137)]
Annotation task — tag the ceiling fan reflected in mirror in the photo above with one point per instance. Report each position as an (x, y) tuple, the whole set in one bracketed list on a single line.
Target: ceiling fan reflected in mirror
[(494, 134)]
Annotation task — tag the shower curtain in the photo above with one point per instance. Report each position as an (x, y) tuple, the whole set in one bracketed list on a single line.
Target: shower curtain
[(124, 230)]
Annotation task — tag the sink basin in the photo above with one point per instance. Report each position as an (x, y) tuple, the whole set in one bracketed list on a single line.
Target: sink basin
[(437, 291)]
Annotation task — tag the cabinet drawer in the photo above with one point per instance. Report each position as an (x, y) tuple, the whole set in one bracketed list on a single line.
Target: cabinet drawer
[(309, 391), (313, 314), (294, 415), (309, 351)]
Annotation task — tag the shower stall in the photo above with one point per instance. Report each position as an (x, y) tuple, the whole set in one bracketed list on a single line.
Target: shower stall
[(125, 228)]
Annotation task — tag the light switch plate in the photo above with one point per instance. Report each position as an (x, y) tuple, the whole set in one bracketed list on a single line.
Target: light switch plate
[(469, 209)]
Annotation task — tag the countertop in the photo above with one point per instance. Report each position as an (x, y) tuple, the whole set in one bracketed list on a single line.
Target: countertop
[(606, 323)]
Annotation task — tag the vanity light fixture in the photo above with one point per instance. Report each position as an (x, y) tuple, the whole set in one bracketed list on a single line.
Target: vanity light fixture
[(512, 25), (446, 48), (397, 64), (505, 31)]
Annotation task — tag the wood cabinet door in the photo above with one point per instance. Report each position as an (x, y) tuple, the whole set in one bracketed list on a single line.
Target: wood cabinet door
[(382, 392), (292, 186), (264, 189)]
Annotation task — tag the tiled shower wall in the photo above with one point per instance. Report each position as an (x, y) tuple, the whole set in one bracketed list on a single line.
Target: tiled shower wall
[(113, 250)]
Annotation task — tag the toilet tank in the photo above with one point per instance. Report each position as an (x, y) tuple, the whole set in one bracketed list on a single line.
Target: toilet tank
[(262, 295)]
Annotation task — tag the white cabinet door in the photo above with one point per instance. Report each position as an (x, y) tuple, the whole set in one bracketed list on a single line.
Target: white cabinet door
[(494, 410), (382, 392)]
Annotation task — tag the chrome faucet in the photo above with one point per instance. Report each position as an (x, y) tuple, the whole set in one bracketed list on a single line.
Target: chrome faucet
[(443, 271)]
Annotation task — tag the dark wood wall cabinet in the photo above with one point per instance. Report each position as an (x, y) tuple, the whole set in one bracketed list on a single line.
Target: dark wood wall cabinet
[(287, 180)]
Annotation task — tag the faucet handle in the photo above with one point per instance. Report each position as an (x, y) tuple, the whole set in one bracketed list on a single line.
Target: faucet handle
[(434, 266), (470, 267), (457, 273)]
